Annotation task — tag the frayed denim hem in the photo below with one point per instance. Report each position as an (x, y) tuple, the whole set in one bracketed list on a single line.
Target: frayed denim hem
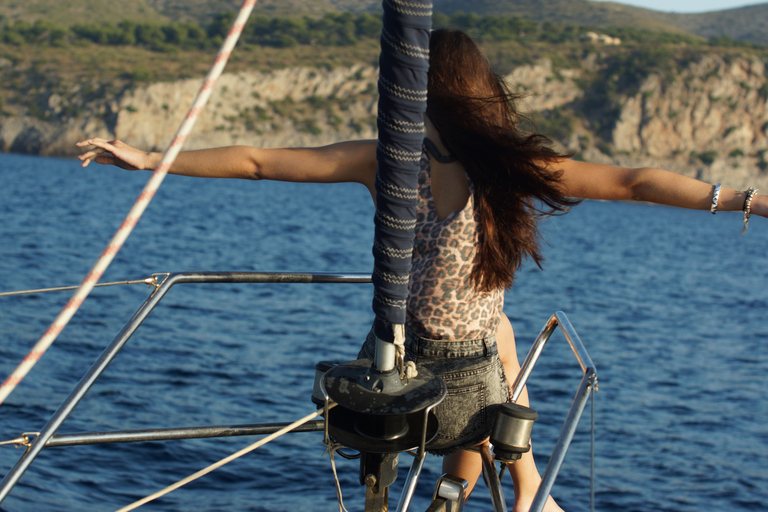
[(442, 452)]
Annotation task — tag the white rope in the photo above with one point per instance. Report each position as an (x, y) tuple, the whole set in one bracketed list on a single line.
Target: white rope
[(407, 370), (330, 449), (222, 462)]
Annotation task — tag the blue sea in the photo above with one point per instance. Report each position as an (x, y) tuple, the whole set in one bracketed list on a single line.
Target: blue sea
[(671, 305)]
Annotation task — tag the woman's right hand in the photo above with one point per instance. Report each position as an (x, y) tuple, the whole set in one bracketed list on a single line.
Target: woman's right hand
[(115, 152)]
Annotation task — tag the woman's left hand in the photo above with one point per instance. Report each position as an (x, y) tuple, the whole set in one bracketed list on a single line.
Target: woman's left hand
[(114, 152)]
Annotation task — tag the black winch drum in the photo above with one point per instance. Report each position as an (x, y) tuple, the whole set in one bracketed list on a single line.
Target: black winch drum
[(378, 412), (384, 428)]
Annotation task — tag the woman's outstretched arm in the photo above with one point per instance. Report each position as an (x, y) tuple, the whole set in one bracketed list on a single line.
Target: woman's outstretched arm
[(353, 161), (599, 181)]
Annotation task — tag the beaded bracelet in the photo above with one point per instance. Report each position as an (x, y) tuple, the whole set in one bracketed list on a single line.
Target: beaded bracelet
[(715, 197), (747, 208)]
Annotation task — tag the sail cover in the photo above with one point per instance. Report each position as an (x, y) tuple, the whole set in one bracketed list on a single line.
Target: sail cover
[(403, 67)]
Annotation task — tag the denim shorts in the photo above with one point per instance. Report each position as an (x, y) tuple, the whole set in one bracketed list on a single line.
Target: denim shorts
[(474, 376)]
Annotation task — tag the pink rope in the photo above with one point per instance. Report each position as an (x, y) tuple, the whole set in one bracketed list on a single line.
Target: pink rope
[(120, 236)]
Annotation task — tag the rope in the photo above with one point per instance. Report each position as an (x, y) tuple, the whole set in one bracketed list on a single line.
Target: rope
[(222, 462), (407, 370), (331, 448), (71, 307), (151, 281)]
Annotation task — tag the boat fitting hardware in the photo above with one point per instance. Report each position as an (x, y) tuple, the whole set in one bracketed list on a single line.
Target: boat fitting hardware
[(511, 434), (378, 470), (153, 280), (450, 494), (22, 440), (377, 412), (320, 369)]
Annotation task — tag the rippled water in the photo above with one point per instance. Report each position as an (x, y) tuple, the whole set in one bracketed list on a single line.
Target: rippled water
[(670, 304)]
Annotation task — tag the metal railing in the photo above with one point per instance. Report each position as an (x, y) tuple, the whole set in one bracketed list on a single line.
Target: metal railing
[(587, 386), (163, 282)]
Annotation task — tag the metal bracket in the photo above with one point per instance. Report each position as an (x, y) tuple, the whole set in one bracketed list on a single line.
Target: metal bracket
[(450, 494), (22, 440)]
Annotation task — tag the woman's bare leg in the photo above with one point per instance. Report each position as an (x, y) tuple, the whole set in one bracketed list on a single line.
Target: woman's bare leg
[(525, 475), (469, 466), (464, 464)]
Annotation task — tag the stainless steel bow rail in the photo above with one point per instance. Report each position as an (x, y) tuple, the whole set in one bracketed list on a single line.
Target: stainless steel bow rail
[(449, 492)]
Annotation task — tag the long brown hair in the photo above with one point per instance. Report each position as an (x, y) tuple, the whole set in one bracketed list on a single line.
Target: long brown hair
[(475, 115)]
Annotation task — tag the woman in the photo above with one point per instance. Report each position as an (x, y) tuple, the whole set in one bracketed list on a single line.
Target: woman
[(482, 187)]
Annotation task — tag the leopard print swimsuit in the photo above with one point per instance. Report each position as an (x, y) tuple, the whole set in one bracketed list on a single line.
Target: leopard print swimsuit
[(442, 302)]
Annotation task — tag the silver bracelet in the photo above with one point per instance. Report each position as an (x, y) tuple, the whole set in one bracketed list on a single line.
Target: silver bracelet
[(715, 197), (748, 208)]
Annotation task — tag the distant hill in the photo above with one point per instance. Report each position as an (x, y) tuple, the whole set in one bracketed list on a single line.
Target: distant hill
[(68, 12), (203, 10), (746, 23), (577, 12)]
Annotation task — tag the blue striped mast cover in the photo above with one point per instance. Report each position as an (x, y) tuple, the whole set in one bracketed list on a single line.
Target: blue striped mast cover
[(403, 67)]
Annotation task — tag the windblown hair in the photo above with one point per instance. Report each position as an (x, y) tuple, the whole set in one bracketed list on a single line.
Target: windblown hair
[(475, 114)]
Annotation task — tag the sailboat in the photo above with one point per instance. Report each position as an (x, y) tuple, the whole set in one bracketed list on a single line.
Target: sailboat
[(374, 408)]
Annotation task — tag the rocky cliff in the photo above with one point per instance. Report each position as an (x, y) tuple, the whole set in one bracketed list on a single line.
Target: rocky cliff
[(711, 121), (708, 119), (297, 106)]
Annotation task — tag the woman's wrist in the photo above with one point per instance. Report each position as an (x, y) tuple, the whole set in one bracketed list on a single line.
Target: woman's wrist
[(152, 160), (759, 205)]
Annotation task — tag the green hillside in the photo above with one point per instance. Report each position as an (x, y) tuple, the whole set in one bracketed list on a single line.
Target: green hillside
[(578, 12), (204, 10), (747, 23), (67, 12)]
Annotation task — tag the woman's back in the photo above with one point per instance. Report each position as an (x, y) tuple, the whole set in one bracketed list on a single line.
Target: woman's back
[(443, 303), (449, 184)]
